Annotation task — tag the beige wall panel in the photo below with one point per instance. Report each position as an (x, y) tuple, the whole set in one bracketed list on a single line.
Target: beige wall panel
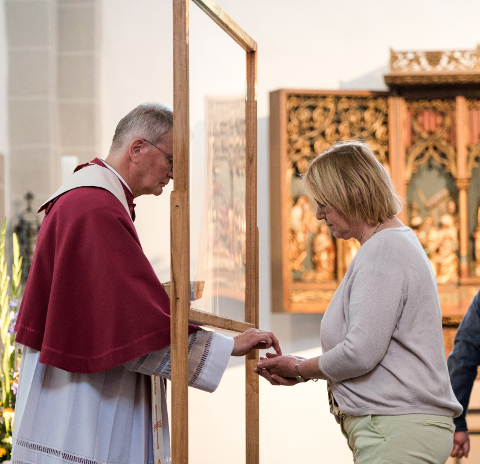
[(76, 76), (77, 124), (2, 203), (84, 155), (76, 29), (475, 396), (28, 23), (473, 421), (30, 170), (474, 456), (30, 122), (29, 73), (76, 2), (2, 171), (2, 187)]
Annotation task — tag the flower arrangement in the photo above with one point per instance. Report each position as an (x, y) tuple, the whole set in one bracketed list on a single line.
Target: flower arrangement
[(10, 354)]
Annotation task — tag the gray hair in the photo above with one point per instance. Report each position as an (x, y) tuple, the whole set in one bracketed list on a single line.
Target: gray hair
[(149, 120)]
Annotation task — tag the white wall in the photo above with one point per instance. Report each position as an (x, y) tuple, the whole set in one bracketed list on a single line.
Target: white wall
[(3, 99), (3, 80), (301, 44)]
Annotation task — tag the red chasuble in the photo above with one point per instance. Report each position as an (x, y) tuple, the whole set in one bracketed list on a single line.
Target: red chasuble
[(92, 300)]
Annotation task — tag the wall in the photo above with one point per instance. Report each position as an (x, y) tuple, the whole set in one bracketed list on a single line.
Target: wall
[(3, 107), (52, 94), (32, 40), (306, 44)]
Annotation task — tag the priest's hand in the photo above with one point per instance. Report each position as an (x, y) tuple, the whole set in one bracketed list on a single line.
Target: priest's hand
[(254, 339)]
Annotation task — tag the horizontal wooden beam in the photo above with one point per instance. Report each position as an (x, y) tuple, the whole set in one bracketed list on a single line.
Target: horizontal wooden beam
[(217, 322), (211, 8)]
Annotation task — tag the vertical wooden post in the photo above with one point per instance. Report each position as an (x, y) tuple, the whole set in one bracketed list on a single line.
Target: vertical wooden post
[(180, 228), (251, 272), (279, 256), (396, 112), (462, 181), (180, 234)]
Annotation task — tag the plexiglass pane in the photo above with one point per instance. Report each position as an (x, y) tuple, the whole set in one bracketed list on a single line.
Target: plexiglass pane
[(217, 168)]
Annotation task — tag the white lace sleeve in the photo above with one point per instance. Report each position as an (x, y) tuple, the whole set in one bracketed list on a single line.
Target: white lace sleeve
[(208, 355)]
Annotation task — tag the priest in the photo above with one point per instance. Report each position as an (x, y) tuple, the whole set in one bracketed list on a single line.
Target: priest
[(94, 321)]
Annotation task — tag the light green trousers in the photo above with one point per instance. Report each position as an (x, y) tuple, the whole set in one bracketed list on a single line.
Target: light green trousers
[(403, 439)]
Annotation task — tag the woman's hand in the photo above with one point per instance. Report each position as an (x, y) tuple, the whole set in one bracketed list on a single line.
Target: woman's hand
[(277, 369), (255, 339)]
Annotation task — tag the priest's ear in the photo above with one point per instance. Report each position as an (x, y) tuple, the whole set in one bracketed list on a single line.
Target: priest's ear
[(134, 149)]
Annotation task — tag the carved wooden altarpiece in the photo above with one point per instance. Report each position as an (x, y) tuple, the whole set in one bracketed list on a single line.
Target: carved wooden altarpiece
[(426, 131)]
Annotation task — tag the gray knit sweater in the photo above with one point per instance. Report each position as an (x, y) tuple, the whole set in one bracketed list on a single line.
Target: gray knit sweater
[(381, 336)]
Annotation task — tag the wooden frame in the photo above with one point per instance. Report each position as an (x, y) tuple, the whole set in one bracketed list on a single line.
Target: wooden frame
[(180, 232)]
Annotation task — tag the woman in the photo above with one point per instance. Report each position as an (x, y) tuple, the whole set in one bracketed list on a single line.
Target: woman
[(383, 353)]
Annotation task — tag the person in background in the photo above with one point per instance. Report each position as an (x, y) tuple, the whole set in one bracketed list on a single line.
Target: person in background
[(463, 362), (382, 346), (95, 320)]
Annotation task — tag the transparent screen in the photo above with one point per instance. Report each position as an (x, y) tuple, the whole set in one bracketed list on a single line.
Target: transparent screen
[(217, 169)]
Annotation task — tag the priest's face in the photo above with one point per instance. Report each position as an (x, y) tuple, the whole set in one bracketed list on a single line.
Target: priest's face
[(156, 165)]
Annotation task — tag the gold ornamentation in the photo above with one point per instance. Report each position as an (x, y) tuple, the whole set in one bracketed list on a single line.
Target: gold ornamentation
[(453, 321), (323, 256), (314, 124), (430, 126), (448, 298), (437, 232), (476, 238), (430, 137), (473, 149), (435, 61), (462, 183), (429, 79), (311, 296), (427, 132)]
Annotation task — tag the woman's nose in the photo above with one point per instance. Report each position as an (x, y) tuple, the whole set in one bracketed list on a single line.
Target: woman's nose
[(320, 213)]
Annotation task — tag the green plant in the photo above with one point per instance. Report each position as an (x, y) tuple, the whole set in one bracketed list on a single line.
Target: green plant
[(9, 294)]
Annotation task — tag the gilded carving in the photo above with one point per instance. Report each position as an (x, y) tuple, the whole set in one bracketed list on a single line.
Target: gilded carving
[(435, 61), (473, 145), (323, 256), (426, 128), (438, 233), (429, 135), (427, 79), (431, 142), (314, 124), (476, 239), (453, 321), (311, 296), (462, 183), (301, 223)]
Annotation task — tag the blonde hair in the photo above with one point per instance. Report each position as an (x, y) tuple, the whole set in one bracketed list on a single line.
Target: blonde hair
[(349, 178)]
